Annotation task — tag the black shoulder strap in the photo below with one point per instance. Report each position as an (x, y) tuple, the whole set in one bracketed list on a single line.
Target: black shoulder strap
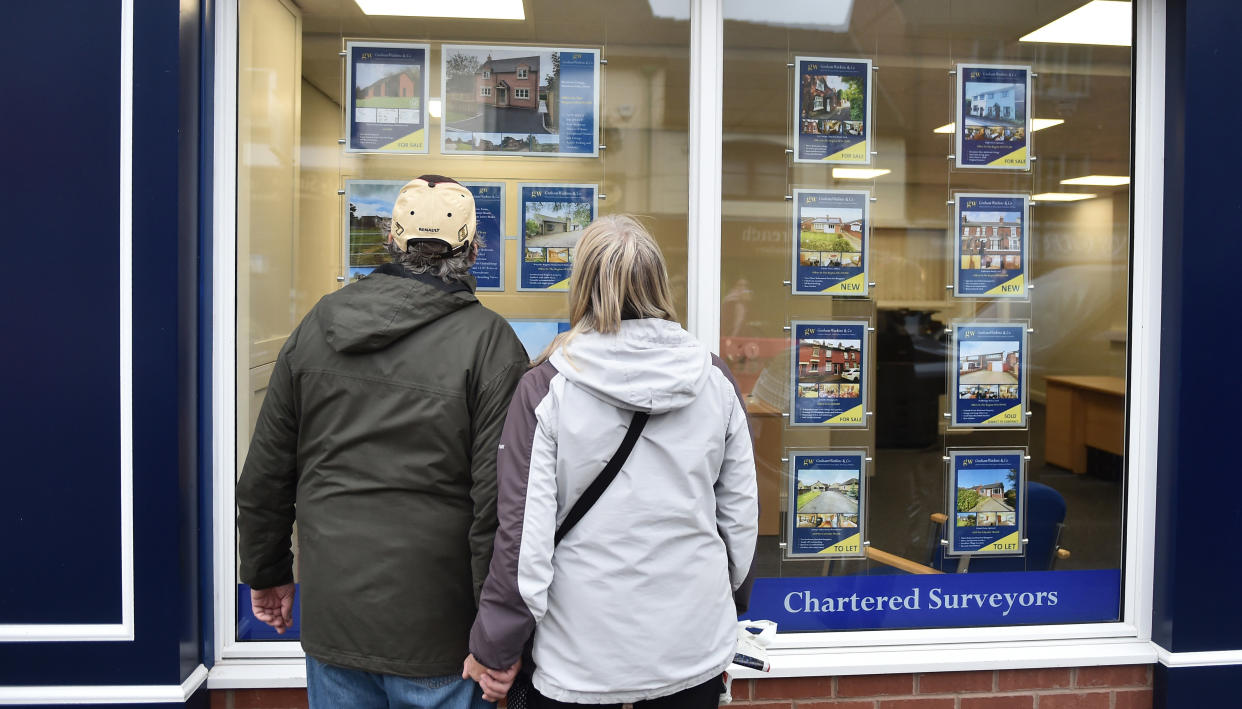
[(600, 483)]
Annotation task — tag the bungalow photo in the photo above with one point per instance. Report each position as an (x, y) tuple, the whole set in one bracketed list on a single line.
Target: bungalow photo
[(827, 492), (988, 362), (388, 93), (991, 240), (501, 99), (555, 224), (838, 230), (986, 493), (370, 213), (829, 362)]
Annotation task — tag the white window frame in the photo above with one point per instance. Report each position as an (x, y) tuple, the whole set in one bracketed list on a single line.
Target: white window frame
[(485, 91), (523, 72), (521, 93), (280, 664)]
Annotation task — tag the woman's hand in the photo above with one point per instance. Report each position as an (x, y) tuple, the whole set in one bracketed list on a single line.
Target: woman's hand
[(495, 683)]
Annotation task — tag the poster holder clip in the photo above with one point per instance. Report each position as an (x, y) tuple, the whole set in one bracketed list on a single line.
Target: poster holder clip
[(342, 54), (786, 283), (787, 328), (788, 198), (603, 196), (789, 151), (789, 65), (603, 61), (872, 198), (950, 157), (871, 284), (339, 192)]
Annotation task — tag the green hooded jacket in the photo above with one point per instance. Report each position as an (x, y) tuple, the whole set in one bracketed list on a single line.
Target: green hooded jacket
[(378, 434)]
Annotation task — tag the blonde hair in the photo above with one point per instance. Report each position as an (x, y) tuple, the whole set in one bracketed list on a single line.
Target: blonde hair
[(619, 274)]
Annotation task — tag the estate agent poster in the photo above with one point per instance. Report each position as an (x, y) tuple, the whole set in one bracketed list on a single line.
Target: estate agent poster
[(986, 492), (387, 111), (991, 245), (368, 214), (827, 487), (993, 116), (489, 214), (830, 257), (536, 335), (553, 218), (988, 382), (832, 110), (828, 373), (520, 100)]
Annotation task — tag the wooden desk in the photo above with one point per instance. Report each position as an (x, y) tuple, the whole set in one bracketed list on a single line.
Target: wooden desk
[(1084, 411)]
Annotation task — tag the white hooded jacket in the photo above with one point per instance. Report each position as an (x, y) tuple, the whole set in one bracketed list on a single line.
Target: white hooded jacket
[(637, 601)]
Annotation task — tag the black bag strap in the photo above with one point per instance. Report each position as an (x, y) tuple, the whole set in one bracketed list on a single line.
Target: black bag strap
[(605, 478)]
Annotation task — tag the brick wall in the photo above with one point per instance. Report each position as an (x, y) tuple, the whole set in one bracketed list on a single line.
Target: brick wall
[(1123, 687)]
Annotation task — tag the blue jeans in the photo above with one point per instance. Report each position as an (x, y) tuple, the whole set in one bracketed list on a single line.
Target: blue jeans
[(331, 687)]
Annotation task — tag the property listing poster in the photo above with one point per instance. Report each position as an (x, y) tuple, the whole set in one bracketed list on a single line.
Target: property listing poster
[(387, 110), (991, 246), (993, 116), (520, 101), (489, 214), (832, 110), (552, 219), (988, 382), (828, 373), (536, 335), (368, 213), (986, 492), (830, 253), (827, 487)]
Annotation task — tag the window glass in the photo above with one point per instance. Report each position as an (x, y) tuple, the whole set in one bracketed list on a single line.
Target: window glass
[(337, 109), (967, 288)]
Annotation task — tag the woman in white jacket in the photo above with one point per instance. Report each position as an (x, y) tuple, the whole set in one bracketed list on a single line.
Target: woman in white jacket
[(636, 604)]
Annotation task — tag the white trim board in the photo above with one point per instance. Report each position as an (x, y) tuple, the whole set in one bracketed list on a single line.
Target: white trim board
[(124, 630), (108, 694), (1210, 658)]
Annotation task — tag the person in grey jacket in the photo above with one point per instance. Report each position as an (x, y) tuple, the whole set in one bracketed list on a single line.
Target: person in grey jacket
[(636, 603), (378, 435)]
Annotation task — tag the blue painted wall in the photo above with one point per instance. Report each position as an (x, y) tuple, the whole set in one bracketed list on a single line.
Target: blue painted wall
[(1199, 513), (59, 515)]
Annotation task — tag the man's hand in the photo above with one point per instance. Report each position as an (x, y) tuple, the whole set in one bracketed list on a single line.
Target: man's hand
[(495, 683), (273, 606)]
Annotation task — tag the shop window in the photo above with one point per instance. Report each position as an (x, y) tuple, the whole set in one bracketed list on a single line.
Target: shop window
[(338, 109), (945, 458)]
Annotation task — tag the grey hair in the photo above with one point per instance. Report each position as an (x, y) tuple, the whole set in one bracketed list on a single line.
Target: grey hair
[(424, 259)]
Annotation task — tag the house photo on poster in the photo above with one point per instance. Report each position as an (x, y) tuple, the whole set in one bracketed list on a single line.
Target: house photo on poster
[(368, 214), (520, 101), (986, 498), (830, 242), (993, 116), (828, 374), (387, 83), (536, 335), (551, 221), (827, 518), (987, 385), (832, 110), (991, 245)]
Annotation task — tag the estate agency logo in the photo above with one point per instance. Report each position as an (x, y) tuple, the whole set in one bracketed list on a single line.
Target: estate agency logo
[(969, 333), (808, 331), (971, 204), (975, 73), (365, 56), (967, 461)]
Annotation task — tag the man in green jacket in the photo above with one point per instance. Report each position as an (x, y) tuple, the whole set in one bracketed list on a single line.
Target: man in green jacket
[(378, 435)]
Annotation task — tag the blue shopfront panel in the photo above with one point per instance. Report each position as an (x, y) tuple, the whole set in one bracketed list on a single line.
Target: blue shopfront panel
[(66, 539)]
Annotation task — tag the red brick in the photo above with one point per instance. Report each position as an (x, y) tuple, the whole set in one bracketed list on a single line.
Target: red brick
[(219, 699), (1007, 680), (1132, 699), (838, 704), (793, 688), (1119, 676), (874, 685), (952, 682), (1022, 701), (921, 703), (768, 705), (269, 699), (1075, 700)]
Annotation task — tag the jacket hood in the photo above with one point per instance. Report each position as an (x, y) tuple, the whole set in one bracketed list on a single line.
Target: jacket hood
[(649, 365), (372, 313)]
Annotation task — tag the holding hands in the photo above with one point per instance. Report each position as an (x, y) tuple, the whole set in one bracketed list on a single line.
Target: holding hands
[(495, 683)]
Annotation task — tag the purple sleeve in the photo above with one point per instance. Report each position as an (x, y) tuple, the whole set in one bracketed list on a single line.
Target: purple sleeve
[(504, 623)]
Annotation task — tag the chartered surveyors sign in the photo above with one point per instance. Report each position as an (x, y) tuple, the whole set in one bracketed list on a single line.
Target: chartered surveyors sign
[(937, 601)]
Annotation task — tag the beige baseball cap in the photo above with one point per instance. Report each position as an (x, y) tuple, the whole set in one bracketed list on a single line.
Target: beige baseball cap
[(433, 209)]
